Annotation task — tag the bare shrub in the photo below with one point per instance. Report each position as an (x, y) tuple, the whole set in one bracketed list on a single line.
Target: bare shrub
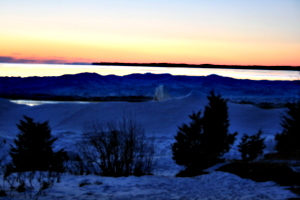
[(116, 148), (31, 184)]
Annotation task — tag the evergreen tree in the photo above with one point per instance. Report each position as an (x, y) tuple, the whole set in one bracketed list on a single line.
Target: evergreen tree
[(251, 146), (201, 143), (187, 148), (288, 141), (216, 137), (33, 148)]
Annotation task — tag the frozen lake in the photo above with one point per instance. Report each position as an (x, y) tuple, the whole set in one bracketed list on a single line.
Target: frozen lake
[(25, 70)]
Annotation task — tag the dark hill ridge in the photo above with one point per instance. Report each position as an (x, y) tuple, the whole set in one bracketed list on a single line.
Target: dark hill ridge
[(141, 87)]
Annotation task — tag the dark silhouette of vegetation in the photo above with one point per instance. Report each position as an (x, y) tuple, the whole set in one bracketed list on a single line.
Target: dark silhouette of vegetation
[(203, 142), (251, 146), (288, 147), (288, 141), (33, 149), (117, 148)]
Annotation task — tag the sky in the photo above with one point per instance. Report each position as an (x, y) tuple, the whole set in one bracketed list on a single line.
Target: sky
[(231, 32)]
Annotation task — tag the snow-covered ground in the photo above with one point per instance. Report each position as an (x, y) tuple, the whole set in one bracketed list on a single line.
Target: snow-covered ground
[(160, 120)]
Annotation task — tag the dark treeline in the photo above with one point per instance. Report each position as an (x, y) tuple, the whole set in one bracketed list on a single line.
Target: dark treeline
[(297, 68)]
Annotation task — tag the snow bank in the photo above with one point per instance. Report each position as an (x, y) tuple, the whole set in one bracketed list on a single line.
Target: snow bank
[(217, 185)]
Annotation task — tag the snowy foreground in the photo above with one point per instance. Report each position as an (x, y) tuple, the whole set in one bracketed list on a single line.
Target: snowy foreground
[(160, 120)]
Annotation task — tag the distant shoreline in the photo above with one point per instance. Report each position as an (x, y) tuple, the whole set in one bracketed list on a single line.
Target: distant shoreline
[(256, 67)]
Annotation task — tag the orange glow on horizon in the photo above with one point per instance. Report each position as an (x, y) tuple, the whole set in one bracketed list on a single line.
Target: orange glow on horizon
[(149, 51)]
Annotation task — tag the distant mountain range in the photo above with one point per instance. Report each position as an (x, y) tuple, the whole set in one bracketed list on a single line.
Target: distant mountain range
[(297, 68)]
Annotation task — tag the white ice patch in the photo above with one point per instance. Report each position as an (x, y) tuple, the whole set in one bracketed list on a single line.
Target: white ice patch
[(161, 93)]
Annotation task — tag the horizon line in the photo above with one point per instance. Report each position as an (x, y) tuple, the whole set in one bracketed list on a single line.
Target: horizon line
[(157, 64)]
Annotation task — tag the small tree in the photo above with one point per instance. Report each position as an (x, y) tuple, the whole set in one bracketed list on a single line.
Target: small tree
[(216, 137), (288, 141), (187, 148), (251, 146), (33, 149)]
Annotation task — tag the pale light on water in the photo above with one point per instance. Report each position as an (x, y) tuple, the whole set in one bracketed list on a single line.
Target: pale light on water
[(40, 102), (26, 70)]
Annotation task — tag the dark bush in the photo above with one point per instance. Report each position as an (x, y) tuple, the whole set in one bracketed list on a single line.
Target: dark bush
[(251, 146)]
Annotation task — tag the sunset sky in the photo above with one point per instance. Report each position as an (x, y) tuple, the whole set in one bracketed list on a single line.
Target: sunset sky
[(237, 32)]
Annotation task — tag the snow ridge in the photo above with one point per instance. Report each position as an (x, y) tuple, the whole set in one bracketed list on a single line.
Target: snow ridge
[(88, 86)]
